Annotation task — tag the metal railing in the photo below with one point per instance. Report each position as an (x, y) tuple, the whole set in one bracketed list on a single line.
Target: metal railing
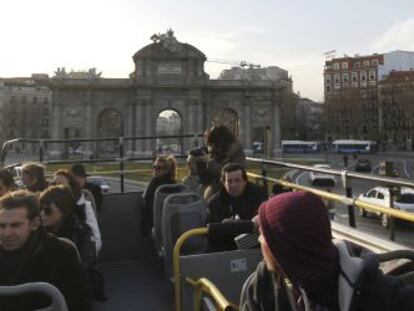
[(348, 199), (121, 159), (205, 286)]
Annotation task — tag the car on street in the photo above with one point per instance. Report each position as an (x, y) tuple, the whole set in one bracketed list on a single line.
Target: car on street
[(381, 196), (322, 178), (101, 182), (363, 165)]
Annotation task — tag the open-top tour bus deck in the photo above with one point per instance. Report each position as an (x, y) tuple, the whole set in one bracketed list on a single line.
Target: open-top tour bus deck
[(175, 273)]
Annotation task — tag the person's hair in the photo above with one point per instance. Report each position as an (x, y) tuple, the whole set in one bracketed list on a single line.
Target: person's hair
[(7, 178), (73, 184), (170, 164), (195, 159), (36, 171), (220, 138), (233, 167), (62, 197), (21, 198)]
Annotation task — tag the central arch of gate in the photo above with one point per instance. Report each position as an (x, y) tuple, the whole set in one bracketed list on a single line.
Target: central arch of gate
[(167, 75)]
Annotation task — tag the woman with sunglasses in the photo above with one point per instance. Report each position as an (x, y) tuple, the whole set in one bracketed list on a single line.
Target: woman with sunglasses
[(58, 214), (164, 171), (84, 208)]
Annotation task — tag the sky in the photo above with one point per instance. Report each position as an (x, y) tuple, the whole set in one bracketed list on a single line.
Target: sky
[(40, 36)]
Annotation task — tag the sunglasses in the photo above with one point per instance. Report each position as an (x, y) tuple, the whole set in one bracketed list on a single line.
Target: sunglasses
[(48, 210)]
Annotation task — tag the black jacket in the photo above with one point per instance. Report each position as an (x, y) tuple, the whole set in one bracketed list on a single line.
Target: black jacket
[(80, 234), (221, 205), (147, 213), (362, 287), (97, 194), (44, 258)]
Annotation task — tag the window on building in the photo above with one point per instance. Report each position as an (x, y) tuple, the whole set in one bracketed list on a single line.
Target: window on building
[(345, 77), (372, 74), (365, 63), (374, 62), (328, 79), (357, 65), (336, 66), (363, 75), (354, 76), (328, 88), (345, 65), (336, 78), (45, 133), (34, 99)]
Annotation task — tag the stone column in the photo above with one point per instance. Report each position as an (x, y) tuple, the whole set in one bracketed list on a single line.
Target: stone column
[(88, 123), (56, 150), (275, 129), (139, 127), (148, 128), (247, 143), (130, 145)]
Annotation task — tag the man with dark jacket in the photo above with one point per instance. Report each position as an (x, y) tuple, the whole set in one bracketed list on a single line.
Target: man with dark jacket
[(28, 254), (237, 198), (78, 170)]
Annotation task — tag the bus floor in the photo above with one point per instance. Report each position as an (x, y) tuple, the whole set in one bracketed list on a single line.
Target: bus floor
[(136, 285)]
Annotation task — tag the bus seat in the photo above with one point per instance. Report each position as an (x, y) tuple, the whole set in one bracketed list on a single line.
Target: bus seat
[(58, 302), (160, 194), (71, 243), (182, 212)]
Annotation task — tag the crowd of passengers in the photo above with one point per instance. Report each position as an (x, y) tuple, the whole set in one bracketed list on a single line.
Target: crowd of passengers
[(49, 232), (303, 267)]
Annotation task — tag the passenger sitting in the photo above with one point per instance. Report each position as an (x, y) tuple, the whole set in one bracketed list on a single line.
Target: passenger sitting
[(6, 182), (164, 172), (296, 241), (28, 254), (237, 198), (196, 160), (33, 177), (84, 208), (58, 214)]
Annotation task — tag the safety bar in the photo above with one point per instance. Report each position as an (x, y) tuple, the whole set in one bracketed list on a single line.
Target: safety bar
[(58, 301), (345, 174), (343, 199), (176, 262), (204, 285)]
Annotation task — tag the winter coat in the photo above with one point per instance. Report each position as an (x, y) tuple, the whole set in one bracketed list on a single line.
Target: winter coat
[(221, 205), (91, 221), (362, 287), (148, 196), (44, 258)]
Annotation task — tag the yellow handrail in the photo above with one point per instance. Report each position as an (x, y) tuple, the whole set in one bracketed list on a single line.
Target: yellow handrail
[(342, 199), (176, 262), (206, 286)]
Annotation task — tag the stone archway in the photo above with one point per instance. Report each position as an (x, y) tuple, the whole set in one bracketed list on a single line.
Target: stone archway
[(229, 118), (110, 124), (169, 122)]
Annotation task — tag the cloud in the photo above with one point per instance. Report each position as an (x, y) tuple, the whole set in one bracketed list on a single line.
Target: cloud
[(399, 36)]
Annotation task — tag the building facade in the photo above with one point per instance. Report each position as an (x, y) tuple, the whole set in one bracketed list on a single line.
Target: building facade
[(396, 103), (25, 111), (310, 123), (167, 75), (352, 94)]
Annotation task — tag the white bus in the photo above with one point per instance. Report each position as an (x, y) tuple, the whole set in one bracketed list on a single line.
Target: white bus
[(300, 146), (354, 146)]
